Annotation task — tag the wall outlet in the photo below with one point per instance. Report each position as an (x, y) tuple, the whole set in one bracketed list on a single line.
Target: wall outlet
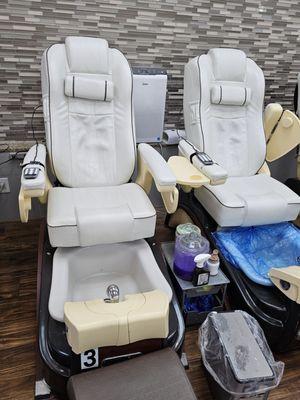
[(4, 185)]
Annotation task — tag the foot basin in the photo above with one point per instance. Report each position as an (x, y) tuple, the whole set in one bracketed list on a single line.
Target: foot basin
[(84, 273)]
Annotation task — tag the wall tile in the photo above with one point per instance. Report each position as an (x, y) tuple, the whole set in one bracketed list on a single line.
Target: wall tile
[(154, 33)]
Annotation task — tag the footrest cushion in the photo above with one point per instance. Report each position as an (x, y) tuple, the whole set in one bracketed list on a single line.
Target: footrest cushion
[(95, 323), (155, 376)]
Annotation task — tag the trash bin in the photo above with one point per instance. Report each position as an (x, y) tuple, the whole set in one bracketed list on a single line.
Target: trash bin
[(237, 358)]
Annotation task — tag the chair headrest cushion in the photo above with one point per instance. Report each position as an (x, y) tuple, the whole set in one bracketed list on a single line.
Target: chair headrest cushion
[(91, 87), (87, 55), (230, 95), (228, 64)]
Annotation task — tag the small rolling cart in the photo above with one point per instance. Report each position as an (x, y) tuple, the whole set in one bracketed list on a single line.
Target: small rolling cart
[(196, 301)]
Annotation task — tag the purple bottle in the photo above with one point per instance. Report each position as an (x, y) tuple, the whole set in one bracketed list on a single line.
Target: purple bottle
[(187, 247)]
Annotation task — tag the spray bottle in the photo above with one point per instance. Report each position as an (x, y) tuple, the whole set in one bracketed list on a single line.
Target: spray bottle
[(201, 273)]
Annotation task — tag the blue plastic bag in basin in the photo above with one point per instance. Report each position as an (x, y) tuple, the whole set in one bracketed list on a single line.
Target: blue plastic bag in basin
[(257, 249)]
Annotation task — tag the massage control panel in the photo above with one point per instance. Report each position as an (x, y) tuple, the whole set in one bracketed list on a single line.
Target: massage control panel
[(31, 172), (204, 158)]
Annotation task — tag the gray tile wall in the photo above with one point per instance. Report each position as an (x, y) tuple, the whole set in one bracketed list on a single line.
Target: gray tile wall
[(155, 33)]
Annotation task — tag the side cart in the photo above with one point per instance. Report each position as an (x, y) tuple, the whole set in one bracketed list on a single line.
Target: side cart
[(216, 289)]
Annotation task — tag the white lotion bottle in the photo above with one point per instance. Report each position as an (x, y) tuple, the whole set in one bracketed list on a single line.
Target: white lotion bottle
[(213, 263)]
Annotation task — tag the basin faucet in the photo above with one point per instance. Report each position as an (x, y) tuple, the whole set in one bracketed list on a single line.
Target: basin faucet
[(113, 294)]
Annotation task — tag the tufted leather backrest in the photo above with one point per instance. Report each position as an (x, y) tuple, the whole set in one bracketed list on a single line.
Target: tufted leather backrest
[(223, 104), (87, 105)]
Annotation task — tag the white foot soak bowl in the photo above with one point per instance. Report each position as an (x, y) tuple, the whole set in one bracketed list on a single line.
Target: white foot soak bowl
[(84, 273)]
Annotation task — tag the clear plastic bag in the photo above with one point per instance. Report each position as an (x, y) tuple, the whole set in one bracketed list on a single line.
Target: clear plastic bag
[(219, 364)]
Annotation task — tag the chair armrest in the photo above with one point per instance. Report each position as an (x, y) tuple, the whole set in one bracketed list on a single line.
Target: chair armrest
[(151, 165), (284, 137), (271, 117), (215, 173), (35, 157), (157, 166), (37, 187), (187, 175), (287, 280)]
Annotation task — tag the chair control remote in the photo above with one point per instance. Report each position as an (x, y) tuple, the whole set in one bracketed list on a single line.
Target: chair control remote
[(204, 158), (31, 172)]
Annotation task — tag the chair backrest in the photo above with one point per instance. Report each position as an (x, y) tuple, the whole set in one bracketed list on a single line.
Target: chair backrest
[(87, 104), (223, 109)]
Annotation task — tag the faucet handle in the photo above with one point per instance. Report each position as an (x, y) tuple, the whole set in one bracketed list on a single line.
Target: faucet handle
[(113, 293)]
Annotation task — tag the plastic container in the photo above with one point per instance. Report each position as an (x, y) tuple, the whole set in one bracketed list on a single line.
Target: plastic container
[(187, 247), (237, 358), (184, 229)]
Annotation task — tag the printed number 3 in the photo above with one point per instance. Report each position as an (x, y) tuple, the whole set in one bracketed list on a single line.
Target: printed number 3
[(89, 359)]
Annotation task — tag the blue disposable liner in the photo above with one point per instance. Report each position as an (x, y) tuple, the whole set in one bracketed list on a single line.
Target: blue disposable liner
[(256, 249)]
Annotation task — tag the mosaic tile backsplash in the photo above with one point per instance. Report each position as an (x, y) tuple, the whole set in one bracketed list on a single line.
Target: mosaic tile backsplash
[(151, 33)]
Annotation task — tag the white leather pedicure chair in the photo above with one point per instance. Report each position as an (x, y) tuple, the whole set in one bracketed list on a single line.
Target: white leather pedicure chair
[(223, 114), (108, 298)]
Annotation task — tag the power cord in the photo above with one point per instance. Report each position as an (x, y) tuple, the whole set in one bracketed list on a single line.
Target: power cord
[(33, 135), (32, 129), (11, 158), (3, 151)]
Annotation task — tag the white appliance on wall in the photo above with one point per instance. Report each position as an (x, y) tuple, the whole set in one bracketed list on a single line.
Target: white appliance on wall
[(149, 100)]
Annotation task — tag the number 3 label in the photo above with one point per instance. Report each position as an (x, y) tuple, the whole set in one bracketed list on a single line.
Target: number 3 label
[(89, 359)]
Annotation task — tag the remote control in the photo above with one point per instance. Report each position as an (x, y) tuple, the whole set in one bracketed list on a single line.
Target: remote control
[(204, 158), (31, 172)]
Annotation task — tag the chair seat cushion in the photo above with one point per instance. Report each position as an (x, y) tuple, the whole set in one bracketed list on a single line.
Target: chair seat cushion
[(98, 215), (248, 201), (155, 376)]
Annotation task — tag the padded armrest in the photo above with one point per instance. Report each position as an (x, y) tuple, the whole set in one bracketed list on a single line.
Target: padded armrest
[(37, 187), (35, 157), (215, 173), (152, 165), (272, 115), (158, 167), (285, 134)]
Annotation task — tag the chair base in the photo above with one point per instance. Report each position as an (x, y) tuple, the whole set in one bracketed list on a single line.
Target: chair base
[(59, 361), (278, 316), (294, 184)]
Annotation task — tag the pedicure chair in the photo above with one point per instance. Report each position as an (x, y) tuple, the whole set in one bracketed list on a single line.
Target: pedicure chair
[(226, 142), (103, 293)]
